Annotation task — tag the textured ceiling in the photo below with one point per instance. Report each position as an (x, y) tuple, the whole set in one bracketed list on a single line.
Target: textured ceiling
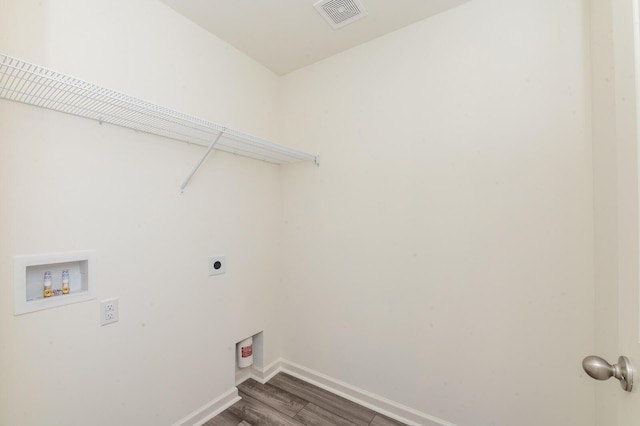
[(285, 35)]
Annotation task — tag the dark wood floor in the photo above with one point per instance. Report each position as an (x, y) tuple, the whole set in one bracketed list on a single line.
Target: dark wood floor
[(288, 401)]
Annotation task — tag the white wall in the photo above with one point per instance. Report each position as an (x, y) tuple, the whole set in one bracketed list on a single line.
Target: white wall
[(71, 184), (442, 254), (446, 240)]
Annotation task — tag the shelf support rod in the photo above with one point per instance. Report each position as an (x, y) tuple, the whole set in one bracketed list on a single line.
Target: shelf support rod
[(204, 157)]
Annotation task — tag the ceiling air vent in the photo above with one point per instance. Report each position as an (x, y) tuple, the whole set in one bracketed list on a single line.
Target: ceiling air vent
[(339, 13)]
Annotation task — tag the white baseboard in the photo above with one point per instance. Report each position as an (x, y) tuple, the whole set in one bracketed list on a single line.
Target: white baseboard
[(262, 375), (367, 399), (265, 374), (210, 410), (375, 402)]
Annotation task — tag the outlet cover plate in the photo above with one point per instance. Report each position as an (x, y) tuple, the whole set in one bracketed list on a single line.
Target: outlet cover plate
[(217, 265), (109, 311)]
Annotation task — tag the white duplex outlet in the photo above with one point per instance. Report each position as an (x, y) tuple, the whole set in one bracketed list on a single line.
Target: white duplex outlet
[(109, 311), (217, 265)]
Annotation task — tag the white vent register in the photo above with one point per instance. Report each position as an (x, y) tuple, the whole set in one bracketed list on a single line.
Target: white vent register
[(339, 13), (32, 84)]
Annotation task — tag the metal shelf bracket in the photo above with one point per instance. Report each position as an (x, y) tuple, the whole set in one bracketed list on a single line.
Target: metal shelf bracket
[(204, 157)]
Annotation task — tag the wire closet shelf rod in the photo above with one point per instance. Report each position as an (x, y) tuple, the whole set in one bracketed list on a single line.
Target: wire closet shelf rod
[(32, 84)]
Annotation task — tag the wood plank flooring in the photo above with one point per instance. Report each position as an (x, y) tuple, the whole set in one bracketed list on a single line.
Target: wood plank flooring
[(289, 401)]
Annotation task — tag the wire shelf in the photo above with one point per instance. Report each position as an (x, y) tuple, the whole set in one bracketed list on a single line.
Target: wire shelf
[(31, 84)]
